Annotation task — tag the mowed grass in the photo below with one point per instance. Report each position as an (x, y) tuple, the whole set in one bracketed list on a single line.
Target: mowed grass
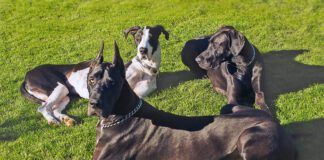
[(61, 32)]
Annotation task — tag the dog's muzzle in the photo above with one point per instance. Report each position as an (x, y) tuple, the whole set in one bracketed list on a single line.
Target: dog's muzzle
[(91, 111), (198, 59), (143, 51), (92, 104)]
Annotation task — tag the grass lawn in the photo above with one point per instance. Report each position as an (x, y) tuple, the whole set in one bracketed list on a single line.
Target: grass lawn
[(290, 35)]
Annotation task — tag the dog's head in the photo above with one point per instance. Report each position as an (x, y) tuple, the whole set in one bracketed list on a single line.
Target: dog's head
[(146, 39), (223, 45), (105, 82)]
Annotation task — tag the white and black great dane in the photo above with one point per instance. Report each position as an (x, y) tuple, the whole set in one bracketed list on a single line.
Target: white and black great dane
[(142, 71), (53, 86)]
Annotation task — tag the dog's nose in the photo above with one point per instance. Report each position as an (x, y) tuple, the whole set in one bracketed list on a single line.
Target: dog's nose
[(198, 59), (143, 50)]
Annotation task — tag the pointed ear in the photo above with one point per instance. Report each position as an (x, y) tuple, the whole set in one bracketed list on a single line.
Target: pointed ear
[(237, 41), (161, 28), (99, 58), (131, 30), (118, 61)]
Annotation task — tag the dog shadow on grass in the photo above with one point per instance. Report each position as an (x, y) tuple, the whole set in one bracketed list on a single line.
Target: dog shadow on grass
[(309, 138), (167, 80), (10, 130), (283, 74)]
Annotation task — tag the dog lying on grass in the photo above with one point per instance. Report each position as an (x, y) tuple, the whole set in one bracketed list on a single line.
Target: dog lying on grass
[(142, 71), (130, 128), (53, 86), (232, 63)]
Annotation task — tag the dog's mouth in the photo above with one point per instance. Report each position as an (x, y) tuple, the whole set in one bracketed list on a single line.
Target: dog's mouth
[(91, 110), (217, 63), (144, 57)]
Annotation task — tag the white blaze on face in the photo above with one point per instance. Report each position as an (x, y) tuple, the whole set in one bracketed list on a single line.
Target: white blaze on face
[(145, 44)]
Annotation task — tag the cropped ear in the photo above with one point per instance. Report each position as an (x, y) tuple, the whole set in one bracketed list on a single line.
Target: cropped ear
[(118, 61), (237, 41), (131, 30), (99, 58), (161, 29)]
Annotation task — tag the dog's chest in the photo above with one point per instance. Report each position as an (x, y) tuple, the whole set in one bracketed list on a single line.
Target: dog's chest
[(78, 80)]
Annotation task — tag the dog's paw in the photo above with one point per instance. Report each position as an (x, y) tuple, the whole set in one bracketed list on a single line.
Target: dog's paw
[(69, 121), (53, 122)]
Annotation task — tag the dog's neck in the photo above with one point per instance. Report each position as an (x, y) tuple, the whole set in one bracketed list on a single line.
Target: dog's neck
[(156, 57), (146, 66), (246, 56), (152, 65), (128, 101), (243, 61)]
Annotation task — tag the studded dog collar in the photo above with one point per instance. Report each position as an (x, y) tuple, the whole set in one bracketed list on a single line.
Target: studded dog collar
[(124, 118), (152, 70)]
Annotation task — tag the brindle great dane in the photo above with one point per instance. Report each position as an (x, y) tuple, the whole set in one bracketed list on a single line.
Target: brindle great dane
[(130, 128)]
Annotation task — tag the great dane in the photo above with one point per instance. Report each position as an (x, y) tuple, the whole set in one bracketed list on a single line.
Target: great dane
[(53, 86), (232, 63), (130, 128), (142, 71)]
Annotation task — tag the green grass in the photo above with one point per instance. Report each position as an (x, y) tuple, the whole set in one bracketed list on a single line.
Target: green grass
[(59, 32)]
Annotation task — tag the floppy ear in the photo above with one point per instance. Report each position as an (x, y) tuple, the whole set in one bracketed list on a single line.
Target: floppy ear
[(131, 30), (118, 61), (237, 41), (99, 58), (225, 28), (161, 28)]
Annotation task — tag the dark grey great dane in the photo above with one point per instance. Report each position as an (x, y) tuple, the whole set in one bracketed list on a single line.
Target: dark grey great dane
[(130, 128), (233, 65)]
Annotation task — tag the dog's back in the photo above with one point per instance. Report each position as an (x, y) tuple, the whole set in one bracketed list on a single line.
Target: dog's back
[(267, 139)]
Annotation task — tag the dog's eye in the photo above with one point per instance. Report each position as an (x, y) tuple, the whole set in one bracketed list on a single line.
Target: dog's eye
[(91, 81)]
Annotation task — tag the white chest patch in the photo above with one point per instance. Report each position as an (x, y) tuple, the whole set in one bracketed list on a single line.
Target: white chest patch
[(79, 81)]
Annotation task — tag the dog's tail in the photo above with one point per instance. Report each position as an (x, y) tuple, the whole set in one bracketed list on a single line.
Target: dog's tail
[(28, 95)]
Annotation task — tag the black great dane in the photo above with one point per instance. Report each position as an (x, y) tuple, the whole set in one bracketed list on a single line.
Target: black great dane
[(233, 65), (130, 128)]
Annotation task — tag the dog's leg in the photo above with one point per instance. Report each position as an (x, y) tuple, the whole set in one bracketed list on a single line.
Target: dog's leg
[(257, 143), (47, 114), (57, 110), (55, 97), (144, 88), (259, 94), (233, 89)]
